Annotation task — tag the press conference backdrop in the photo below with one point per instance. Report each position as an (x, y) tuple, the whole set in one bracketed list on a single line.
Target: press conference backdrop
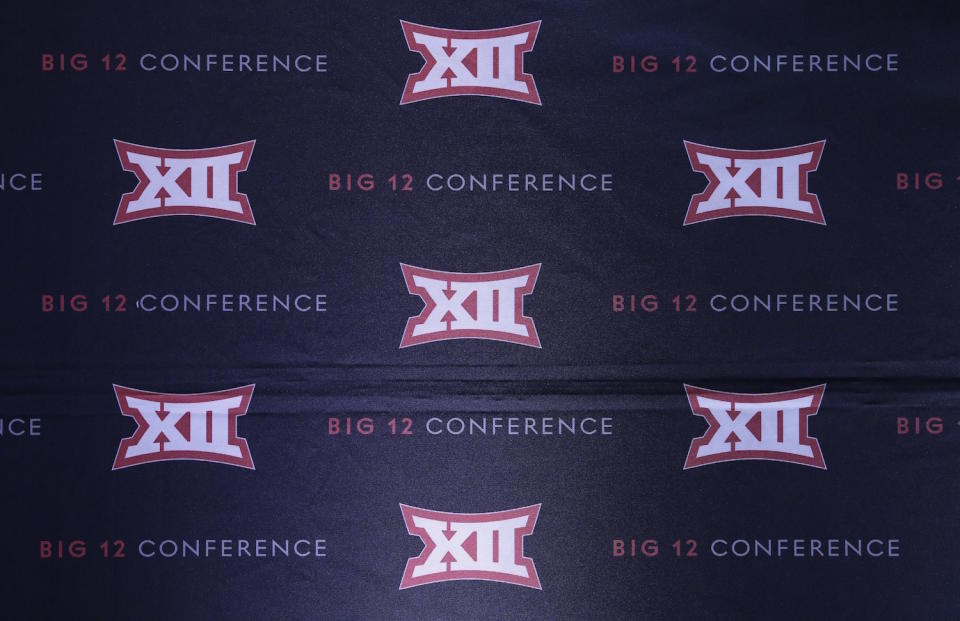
[(432, 310)]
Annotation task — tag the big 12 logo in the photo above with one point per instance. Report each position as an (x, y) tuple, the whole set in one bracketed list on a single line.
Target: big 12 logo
[(470, 546), (185, 182), (771, 426), (485, 305), (771, 182), (471, 62), (174, 426)]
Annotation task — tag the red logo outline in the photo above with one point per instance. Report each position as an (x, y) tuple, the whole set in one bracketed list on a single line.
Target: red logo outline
[(409, 28), (429, 545), (125, 148), (244, 461), (409, 271), (816, 461), (713, 182)]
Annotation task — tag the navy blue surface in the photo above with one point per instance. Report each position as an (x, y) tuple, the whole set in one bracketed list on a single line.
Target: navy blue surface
[(346, 361)]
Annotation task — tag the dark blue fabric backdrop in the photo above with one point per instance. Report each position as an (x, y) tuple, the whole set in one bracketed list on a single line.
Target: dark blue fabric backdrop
[(308, 367)]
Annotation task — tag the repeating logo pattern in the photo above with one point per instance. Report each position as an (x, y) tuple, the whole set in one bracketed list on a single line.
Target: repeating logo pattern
[(487, 547), (471, 62), (772, 182), (771, 426), (470, 546), (185, 182), (172, 426), (486, 305)]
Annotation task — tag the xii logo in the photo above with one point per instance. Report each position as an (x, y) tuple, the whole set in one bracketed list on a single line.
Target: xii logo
[(755, 183), (771, 426), (185, 182), (470, 546), (471, 62), (486, 305), (200, 427)]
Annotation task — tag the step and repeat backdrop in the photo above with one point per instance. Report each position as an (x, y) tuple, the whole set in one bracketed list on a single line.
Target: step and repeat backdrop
[(517, 310)]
